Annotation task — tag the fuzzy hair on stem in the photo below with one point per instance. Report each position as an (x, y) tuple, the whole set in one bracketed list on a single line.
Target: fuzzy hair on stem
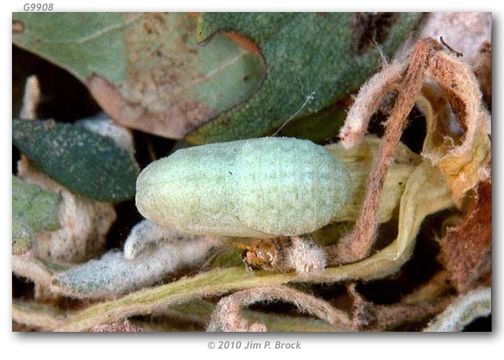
[(113, 274), (368, 101), (28, 267), (472, 305), (463, 164), (371, 317), (146, 234), (358, 243), (36, 315), (227, 316), (283, 254)]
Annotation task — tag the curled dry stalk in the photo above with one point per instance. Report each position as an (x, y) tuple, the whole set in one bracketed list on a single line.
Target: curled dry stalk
[(462, 311), (460, 86), (367, 316), (227, 316), (37, 316), (27, 266)]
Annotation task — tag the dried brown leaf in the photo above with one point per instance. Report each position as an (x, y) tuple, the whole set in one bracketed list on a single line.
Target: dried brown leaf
[(466, 249)]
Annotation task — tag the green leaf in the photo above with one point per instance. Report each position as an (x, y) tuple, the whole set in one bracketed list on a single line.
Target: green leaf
[(22, 236), (33, 210), (317, 127), (86, 163), (313, 60), (38, 207), (146, 70)]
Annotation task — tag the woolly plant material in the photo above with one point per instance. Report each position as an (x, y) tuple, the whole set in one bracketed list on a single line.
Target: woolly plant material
[(483, 70), (390, 317), (227, 315), (37, 316), (33, 269), (465, 32), (22, 236), (464, 164), (125, 326), (327, 55), (47, 318), (86, 163), (113, 275), (426, 193), (306, 257), (468, 307), (358, 243), (370, 317), (34, 210), (466, 249), (107, 128), (368, 101), (263, 187), (146, 70), (146, 234), (199, 312), (31, 99), (300, 254), (84, 223)]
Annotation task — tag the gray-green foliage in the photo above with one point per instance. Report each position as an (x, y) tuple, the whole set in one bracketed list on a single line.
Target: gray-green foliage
[(316, 127), (22, 236), (113, 274), (168, 82), (312, 59), (85, 162), (33, 210)]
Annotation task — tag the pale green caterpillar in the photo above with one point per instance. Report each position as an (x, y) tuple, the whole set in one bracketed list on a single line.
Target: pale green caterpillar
[(262, 187)]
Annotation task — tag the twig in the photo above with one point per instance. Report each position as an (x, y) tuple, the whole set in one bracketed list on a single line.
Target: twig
[(227, 316), (358, 244), (38, 316), (26, 266), (465, 309), (369, 99), (368, 316)]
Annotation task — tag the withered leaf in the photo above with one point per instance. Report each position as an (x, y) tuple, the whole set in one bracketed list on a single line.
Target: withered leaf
[(466, 249), (146, 70)]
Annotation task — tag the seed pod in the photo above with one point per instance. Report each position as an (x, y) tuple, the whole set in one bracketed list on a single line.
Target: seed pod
[(261, 187)]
